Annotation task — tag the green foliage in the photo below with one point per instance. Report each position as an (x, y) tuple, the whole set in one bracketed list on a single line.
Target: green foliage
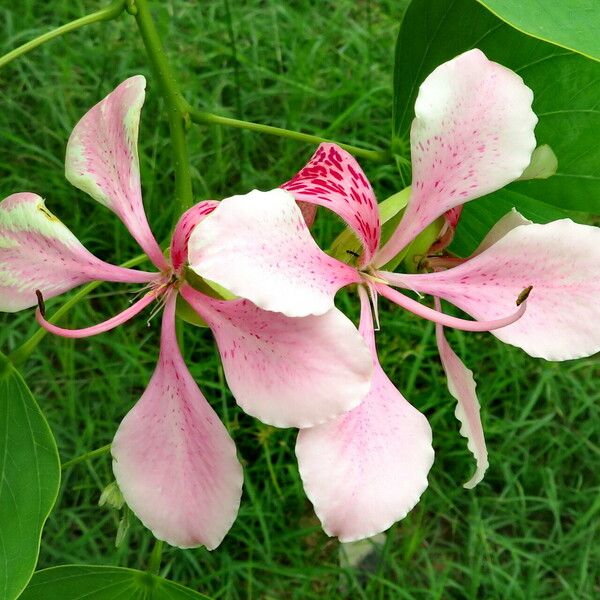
[(573, 24), (78, 582), (29, 479), (480, 216), (566, 88)]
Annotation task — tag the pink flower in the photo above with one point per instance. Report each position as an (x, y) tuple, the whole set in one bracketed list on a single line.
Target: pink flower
[(173, 459), (473, 133)]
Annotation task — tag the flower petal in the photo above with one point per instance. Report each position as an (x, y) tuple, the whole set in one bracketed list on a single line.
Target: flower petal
[(334, 179), (462, 387), (366, 469), (173, 459), (287, 372), (473, 134), (561, 260), (102, 160), (181, 236), (38, 252), (452, 216), (258, 247)]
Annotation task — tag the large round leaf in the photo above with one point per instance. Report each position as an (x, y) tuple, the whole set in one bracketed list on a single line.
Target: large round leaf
[(566, 87), (80, 582), (573, 24), (29, 480)]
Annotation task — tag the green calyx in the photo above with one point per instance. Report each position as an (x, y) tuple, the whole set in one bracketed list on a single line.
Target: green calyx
[(207, 287)]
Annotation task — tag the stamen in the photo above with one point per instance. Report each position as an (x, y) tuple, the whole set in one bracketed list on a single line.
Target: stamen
[(373, 277), (41, 303), (160, 304), (374, 304), (438, 317), (94, 329), (524, 295), (396, 279), (138, 293)]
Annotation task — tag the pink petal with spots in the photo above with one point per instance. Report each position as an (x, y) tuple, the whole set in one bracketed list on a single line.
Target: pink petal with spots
[(181, 236), (287, 372), (561, 260), (37, 252), (258, 247), (461, 386), (334, 179), (366, 469), (102, 160), (173, 459), (473, 134)]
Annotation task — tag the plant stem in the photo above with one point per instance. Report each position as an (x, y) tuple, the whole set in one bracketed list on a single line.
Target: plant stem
[(155, 558), (177, 107), (83, 457), (22, 352), (104, 14), (198, 116)]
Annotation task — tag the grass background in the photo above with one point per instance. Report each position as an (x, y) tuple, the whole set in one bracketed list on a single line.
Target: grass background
[(530, 530)]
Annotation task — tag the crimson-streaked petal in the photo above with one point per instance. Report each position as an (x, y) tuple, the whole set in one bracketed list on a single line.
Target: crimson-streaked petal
[(102, 160), (181, 236), (333, 178), (38, 252), (258, 247), (561, 260), (452, 216), (473, 133), (366, 469), (287, 372), (173, 459), (462, 387)]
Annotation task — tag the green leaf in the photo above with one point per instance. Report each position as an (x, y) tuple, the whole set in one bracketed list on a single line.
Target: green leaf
[(479, 217), (572, 24), (29, 480), (81, 582), (566, 87)]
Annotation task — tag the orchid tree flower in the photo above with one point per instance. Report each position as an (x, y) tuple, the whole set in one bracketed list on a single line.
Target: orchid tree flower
[(473, 134), (173, 459)]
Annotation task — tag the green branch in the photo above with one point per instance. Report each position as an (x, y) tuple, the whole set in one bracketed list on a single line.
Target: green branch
[(83, 457), (22, 352), (177, 107), (198, 116), (104, 14)]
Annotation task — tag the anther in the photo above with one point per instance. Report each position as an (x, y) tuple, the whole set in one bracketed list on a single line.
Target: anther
[(41, 303), (524, 295)]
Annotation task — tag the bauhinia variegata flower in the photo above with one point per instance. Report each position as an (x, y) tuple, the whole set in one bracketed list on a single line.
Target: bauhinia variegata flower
[(473, 133), (173, 459)]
